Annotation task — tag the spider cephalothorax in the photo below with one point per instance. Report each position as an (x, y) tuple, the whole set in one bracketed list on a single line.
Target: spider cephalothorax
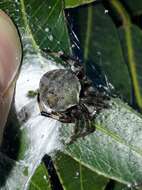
[(67, 95)]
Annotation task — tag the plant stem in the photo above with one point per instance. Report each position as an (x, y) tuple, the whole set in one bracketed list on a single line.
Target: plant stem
[(129, 45)]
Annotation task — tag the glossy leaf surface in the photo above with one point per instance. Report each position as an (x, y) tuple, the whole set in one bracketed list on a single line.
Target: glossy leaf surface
[(134, 6), (133, 58), (40, 179), (97, 38), (76, 3), (113, 151), (79, 177)]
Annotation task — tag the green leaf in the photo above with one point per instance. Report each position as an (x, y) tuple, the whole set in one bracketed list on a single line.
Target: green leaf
[(134, 6), (76, 3), (98, 36), (38, 20), (131, 43), (119, 186), (74, 175), (40, 179), (114, 149), (133, 57)]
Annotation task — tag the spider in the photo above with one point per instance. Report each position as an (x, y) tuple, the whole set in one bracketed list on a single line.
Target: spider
[(67, 95)]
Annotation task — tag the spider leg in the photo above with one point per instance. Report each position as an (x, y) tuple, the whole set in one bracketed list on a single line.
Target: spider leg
[(56, 116), (73, 62), (87, 127), (60, 54), (45, 113), (76, 133), (79, 134), (82, 128), (53, 115)]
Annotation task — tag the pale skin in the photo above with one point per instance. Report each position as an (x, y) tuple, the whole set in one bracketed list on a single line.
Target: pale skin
[(10, 59)]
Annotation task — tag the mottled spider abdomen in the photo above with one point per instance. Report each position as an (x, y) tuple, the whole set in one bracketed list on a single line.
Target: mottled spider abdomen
[(59, 89)]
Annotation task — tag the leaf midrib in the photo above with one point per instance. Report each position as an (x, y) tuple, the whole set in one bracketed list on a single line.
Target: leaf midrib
[(88, 32), (116, 138), (26, 23), (94, 169)]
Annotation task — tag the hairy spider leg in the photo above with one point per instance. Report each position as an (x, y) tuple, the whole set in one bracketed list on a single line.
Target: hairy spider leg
[(96, 99), (60, 54), (79, 130), (45, 113), (53, 115), (74, 63), (87, 121), (82, 127)]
